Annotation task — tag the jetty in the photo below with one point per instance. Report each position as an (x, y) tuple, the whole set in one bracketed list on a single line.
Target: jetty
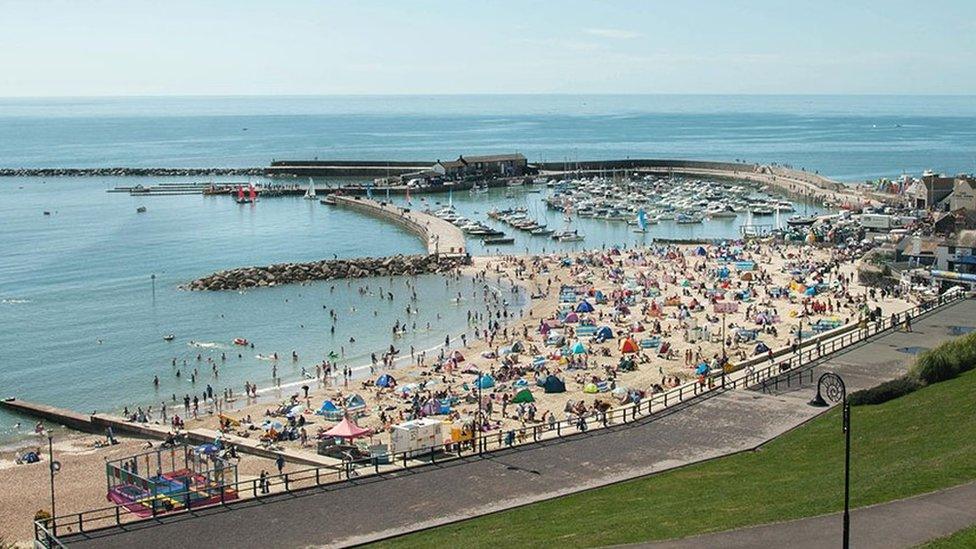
[(99, 423), (440, 236)]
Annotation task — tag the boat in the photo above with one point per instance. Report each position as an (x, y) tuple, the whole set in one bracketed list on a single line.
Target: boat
[(488, 241), (761, 210), (141, 209), (249, 199), (541, 231), (329, 200), (310, 191), (800, 221), (567, 235), (240, 341), (169, 337), (683, 218), (642, 221)]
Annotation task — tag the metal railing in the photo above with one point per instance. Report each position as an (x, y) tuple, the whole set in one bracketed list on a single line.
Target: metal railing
[(790, 367)]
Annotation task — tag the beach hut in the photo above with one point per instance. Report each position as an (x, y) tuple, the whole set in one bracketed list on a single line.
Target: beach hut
[(485, 381), (524, 395), (347, 430), (584, 307), (385, 380), (628, 346), (604, 332), (591, 388), (578, 348), (553, 384), (415, 437)]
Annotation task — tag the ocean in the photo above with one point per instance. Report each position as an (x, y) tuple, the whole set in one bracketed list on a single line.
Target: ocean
[(82, 318)]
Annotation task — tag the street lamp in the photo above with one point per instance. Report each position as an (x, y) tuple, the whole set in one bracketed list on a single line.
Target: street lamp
[(831, 390)]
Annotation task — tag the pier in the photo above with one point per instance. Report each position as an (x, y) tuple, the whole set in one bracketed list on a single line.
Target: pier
[(98, 423), (441, 237)]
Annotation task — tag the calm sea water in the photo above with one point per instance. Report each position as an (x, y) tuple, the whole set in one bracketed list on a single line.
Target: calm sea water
[(81, 327), (849, 137)]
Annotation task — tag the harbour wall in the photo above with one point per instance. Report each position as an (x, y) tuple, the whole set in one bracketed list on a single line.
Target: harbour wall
[(440, 237), (123, 172)]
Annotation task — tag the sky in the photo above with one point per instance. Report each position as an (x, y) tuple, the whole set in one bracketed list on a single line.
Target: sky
[(292, 47)]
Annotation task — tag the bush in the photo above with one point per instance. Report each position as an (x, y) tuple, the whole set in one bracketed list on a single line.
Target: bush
[(888, 390), (947, 360)]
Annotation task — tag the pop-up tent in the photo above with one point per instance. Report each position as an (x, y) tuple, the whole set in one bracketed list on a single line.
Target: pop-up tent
[(578, 348), (347, 429), (604, 332), (571, 318), (761, 348), (355, 404), (485, 381), (517, 347), (524, 395), (330, 411), (431, 408), (584, 307), (591, 388), (385, 380), (553, 384), (628, 346)]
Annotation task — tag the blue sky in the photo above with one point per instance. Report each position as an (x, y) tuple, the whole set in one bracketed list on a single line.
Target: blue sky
[(177, 47)]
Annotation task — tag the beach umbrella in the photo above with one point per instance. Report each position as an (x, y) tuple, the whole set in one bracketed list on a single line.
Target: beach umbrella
[(347, 429)]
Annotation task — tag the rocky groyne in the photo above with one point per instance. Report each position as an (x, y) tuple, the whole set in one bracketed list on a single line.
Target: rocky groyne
[(292, 273), (119, 172)]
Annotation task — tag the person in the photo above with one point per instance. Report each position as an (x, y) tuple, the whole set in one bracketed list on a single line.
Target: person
[(263, 481), (908, 321), (280, 463)]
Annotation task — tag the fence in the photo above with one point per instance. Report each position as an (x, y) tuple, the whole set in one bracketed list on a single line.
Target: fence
[(742, 375)]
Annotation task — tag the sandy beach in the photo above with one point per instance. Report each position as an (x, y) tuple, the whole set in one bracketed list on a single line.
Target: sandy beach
[(662, 293)]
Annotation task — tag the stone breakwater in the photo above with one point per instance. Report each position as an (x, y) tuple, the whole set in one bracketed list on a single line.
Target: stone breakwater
[(119, 172), (291, 273)]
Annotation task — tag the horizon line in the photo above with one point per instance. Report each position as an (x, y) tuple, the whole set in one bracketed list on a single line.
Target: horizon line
[(482, 94)]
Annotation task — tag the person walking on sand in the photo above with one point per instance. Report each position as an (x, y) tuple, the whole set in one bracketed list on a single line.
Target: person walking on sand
[(280, 463)]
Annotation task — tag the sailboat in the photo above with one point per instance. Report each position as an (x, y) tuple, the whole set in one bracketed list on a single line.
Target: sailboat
[(310, 191), (566, 234), (642, 222)]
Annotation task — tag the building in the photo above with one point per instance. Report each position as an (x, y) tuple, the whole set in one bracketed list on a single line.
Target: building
[(958, 254), (963, 195), (928, 193), (498, 165)]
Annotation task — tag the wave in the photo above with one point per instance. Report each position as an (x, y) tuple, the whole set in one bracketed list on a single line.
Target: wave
[(14, 301)]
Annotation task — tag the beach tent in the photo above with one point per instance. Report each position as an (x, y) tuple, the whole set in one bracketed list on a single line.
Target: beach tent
[(604, 332), (761, 348), (295, 410), (485, 381), (355, 404), (811, 291), (628, 346), (599, 297), (517, 347), (701, 251), (584, 307), (431, 408), (553, 384), (571, 318), (520, 382), (524, 395), (591, 388), (347, 429), (578, 348), (330, 411), (385, 380)]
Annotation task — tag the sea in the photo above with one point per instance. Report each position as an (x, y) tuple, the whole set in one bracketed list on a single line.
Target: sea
[(88, 292)]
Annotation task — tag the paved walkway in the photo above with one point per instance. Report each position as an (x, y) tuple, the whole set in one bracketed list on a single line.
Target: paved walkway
[(903, 523), (372, 508)]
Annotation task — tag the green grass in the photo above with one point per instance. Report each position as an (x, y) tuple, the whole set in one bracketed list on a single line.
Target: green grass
[(914, 444), (965, 538)]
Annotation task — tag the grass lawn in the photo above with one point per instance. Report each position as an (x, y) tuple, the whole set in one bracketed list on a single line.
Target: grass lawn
[(914, 444), (965, 538)]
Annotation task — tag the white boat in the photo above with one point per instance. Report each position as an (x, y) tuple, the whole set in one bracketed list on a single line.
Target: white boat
[(310, 191)]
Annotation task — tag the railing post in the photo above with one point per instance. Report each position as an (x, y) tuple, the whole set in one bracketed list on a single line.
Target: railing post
[(118, 516), (254, 487), (558, 430), (285, 476), (81, 524), (317, 482)]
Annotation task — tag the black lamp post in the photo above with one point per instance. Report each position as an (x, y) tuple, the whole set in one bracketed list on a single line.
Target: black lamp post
[(831, 390)]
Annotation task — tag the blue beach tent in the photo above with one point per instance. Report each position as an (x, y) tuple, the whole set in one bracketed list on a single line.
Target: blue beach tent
[(604, 332), (485, 381), (584, 307), (385, 380)]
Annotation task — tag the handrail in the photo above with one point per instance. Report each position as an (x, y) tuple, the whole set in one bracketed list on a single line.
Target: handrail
[(741, 375)]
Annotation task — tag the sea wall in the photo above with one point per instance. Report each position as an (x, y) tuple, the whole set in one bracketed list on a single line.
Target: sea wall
[(117, 172), (291, 273), (440, 237)]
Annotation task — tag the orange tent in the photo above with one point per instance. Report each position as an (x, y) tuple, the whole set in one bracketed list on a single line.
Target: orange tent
[(628, 346)]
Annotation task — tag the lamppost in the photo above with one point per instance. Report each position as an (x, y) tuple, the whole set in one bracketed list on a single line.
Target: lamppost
[(831, 390)]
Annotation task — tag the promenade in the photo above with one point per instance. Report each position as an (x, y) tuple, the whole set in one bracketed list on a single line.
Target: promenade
[(371, 508)]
